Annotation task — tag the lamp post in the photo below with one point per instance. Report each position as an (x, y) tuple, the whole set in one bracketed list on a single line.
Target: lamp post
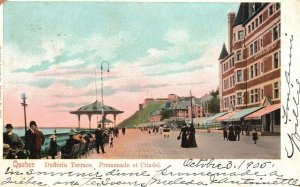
[(102, 100), (23, 96)]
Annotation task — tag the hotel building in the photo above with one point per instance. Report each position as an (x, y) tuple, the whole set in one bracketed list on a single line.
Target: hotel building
[(249, 68)]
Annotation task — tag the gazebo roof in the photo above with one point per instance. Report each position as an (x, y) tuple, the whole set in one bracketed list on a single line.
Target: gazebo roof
[(96, 108), (106, 121)]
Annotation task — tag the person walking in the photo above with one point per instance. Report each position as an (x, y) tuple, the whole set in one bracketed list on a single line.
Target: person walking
[(237, 130), (231, 136), (123, 130), (53, 146), (11, 138), (192, 139), (183, 136), (34, 139), (254, 136), (225, 134), (99, 139)]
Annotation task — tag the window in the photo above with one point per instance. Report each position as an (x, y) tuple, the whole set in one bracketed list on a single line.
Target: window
[(279, 30), (262, 93), (249, 28), (240, 35), (233, 36), (255, 70), (260, 19), (276, 90), (261, 42), (231, 81), (271, 10), (252, 25), (277, 6), (239, 55), (262, 67), (230, 63), (251, 72), (239, 76), (253, 8), (255, 46), (232, 100), (275, 33), (256, 22), (239, 98), (254, 95), (251, 49), (276, 61)]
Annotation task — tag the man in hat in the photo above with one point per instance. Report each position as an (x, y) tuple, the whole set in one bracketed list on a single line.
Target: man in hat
[(11, 138), (99, 139), (34, 139), (70, 142)]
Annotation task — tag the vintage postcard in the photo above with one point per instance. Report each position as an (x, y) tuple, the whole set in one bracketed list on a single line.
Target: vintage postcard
[(130, 93)]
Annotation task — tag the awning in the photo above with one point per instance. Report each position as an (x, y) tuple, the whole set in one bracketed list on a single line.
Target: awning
[(228, 115), (263, 111), (242, 113), (215, 116)]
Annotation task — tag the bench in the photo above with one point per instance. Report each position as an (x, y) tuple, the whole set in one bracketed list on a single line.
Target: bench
[(73, 154)]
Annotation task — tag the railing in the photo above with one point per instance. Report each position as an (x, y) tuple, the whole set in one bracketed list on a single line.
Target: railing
[(61, 139)]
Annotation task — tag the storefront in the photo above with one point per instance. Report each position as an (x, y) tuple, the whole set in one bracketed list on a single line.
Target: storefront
[(268, 117)]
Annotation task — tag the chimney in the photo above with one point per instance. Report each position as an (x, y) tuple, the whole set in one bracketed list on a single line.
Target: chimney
[(231, 18)]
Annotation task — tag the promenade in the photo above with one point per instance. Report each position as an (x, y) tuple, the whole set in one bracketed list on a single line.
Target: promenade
[(138, 144)]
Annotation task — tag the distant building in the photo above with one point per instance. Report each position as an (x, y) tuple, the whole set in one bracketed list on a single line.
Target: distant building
[(148, 101), (250, 69), (155, 116)]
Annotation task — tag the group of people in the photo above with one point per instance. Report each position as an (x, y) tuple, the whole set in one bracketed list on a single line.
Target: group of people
[(234, 133), (187, 136), (75, 137), (16, 148), (30, 146)]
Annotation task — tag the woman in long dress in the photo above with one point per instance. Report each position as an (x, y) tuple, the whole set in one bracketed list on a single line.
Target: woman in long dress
[(192, 140), (183, 135)]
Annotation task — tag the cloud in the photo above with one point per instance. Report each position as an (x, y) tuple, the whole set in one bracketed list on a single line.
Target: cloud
[(177, 37), (109, 90), (78, 83), (68, 105), (42, 83), (191, 83)]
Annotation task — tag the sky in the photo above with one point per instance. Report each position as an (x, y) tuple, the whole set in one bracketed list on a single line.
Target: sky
[(53, 53)]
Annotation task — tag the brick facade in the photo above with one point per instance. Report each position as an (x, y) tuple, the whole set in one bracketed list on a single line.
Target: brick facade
[(250, 71)]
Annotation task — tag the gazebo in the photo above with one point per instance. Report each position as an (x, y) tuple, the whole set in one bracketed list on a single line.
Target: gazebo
[(96, 108)]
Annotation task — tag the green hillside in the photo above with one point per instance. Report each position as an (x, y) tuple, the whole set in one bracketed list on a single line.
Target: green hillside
[(142, 116)]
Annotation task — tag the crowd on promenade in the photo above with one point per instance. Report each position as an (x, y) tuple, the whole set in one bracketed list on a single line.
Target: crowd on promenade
[(233, 133), (186, 135), (30, 147)]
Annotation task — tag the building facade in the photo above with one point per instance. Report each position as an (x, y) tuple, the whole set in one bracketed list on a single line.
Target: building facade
[(249, 71)]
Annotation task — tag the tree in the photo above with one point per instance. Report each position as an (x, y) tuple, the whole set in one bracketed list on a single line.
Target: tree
[(214, 102)]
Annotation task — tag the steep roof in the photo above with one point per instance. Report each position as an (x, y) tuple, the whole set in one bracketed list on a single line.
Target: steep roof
[(243, 14), (96, 108), (224, 52), (246, 11)]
